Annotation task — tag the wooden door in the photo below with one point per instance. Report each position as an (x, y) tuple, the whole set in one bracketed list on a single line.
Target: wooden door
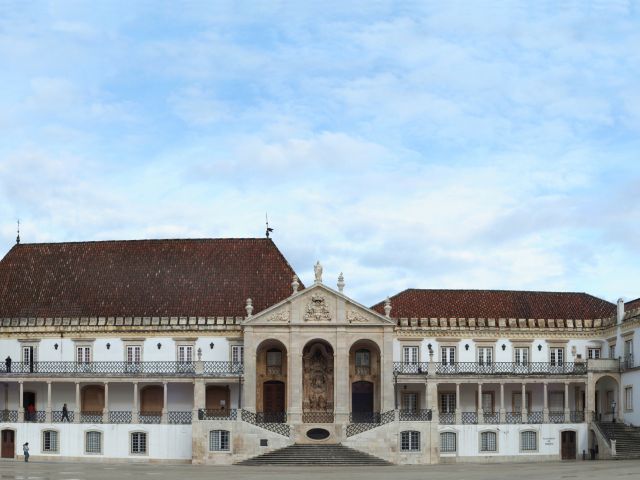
[(362, 400), (151, 399), (218, 398), (568, 446), (273, 397), (92, 399), (8, 444)]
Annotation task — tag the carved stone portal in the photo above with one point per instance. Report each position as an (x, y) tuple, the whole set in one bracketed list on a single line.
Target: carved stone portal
[(317, 378)]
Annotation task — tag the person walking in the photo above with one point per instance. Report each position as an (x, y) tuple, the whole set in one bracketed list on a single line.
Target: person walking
[(7, 363), (25, 449), (65, 413)]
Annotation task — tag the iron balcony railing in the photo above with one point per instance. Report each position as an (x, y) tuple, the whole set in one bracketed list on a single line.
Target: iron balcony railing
[(317, 417), (180, 417), (556, 416), (513, 417), (536, 416), (120, 416), (576, 416), (10, 416), (150, 417), (408, 368), (423, 415), (469, 417), (57, 416), (90, 417), (511, 368), (447, 418), (122, 369), (491, 417), (217, 414), (364, 417)]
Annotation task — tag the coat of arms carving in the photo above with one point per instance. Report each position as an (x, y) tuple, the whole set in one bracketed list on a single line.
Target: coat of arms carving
[(317, 309)]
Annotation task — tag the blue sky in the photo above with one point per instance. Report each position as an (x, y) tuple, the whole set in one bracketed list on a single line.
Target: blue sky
[(473, 144)]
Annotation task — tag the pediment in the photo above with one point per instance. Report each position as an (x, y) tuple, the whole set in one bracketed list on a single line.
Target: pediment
[(316, 306)]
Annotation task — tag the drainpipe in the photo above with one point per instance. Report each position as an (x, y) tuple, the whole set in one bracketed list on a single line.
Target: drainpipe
[(620, 312)]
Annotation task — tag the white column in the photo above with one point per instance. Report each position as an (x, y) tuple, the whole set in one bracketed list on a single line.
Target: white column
[(78, 409), (503, 412), (48, 411), (567, 412), (105, 410), (135, 418), (480, 410), (21, 404), (164, 403), (458, 412), (524, 403), (545, 410)]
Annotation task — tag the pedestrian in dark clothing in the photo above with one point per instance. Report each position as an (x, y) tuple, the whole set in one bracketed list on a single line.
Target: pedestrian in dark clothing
[(65, 413), (7, 364)]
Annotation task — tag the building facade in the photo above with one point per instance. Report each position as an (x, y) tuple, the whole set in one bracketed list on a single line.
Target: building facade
[(213, 351)]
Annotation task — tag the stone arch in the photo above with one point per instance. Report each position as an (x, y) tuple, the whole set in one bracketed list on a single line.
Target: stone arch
[(364, 378), (151, 399), (271, 377), (318, 381), (606, 393), (92, 399)]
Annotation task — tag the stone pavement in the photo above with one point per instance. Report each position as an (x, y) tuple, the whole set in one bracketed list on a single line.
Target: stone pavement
[(12, 470)]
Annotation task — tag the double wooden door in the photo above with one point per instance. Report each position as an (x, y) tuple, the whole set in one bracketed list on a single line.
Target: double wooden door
[(568, 446), (273, 397)]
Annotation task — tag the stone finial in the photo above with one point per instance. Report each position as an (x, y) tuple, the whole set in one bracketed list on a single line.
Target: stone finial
[(199, 354), (295, 284), (387, 307), (341, 282), (620, 311), (249, 307), (317, 270)]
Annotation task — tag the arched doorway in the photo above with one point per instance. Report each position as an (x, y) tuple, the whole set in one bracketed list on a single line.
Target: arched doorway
[(607, 399), (8, 438), (92, 399), (364, 378), (151, 400), (317, 382), (271, 381), (218, 399), (361, 401)]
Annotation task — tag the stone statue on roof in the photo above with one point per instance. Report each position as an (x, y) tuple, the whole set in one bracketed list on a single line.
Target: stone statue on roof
[(317, 269)]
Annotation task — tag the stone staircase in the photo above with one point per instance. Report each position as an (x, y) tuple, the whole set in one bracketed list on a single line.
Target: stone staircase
[(321, 455), (627, 438)]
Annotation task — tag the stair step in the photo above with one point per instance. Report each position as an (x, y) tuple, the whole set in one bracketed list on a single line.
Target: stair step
[(320, 455)]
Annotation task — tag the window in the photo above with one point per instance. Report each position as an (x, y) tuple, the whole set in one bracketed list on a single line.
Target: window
[(138, 443), (448, 355), (185, 353), (237, 354), (363, 358), (219, 441), (612, 350), (593, 353), (447, 442), (134, 354), (488, 442), (50, 441), (557, 356), (516, 402), (410, 402), (410, 441), (83, 354), (274, 358), (93, 442), (528, 441), (556, 401), (628, 398), (447, 402), (487, 402), (485, 355), (628, 352), (521, 355), (410, 354), (29, 354)]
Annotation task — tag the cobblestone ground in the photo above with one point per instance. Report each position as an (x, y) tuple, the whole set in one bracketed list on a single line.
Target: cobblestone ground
[(11, 470)]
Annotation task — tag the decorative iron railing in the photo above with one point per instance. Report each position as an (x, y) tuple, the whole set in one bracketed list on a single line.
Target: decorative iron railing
[(120, 416), (39, 416), (576, 416), (469, 417), (317, 417), (180, 417), (407, 368), (150, 417), (627, 362), (10, 416), (58, 417), (355, 428), (364, 417), (491, 417), (447, 418), (423, 415), (90, 417), (254, 418), (535, 417), (556, 417), (513, 417), (114, 369), (216, 414), (511, 368), (271, 417)]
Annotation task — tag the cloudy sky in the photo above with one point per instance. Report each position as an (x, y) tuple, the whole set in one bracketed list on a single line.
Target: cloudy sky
[(473, 144)]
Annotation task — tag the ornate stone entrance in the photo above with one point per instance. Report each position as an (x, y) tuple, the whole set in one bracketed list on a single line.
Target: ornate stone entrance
[(317, 382)]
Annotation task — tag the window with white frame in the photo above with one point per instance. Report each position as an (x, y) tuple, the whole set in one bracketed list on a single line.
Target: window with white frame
[(93, 442), (488, 442), (487, 402), (410, 441), (185, 353), (528, 441), (593, 353), (447, 442), (448, 355), (556, 356), (29, 354), (219, 441), (521, 355), (134, 353), (50, 441), (410, 354), (628, 398), (83, 354), (447, 402), (410, 401), (628, 351), (612, 350), (138, 443), (237, 354), (485, 355)]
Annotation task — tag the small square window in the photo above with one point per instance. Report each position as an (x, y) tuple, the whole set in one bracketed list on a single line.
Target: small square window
[(219, 441), (410, 441), (264, 442), (488, 442), (528, 441), (138, 443), (93, 442), (50, 441), (447, 442)]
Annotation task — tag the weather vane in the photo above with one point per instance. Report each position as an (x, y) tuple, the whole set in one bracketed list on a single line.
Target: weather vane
[(269, 229)]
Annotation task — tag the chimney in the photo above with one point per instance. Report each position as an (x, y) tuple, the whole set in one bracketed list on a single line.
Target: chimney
[(620, 313)]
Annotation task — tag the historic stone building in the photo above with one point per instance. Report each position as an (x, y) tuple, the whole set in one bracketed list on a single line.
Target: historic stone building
[(213, 351)]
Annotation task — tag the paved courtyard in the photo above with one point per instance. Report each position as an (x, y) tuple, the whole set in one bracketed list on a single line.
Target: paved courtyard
[(103, 471)]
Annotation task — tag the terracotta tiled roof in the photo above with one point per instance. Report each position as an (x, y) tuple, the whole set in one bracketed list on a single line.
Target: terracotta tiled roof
[(632, 305), (208, 277), (414, 303)]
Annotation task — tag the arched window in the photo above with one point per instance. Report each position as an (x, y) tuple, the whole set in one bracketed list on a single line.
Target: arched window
[(138, 443), (93, 442), (363, 358), (219, 441), (488, 442), (50, 441), (447, 442), (528, 441), (410, 441)]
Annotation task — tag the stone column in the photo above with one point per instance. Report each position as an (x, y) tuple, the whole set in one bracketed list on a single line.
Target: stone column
[(21, 402), (523, 408), (249, 383), (432, 401), (503, 412), (164, 403), (545, 410), (135, 416), (48, 411), (78, 409), (480, 410), (567, 412), (590, 393), (386, 375), (105, 410), (341, 378), (199, 397), (458, 412), (294, 380)]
